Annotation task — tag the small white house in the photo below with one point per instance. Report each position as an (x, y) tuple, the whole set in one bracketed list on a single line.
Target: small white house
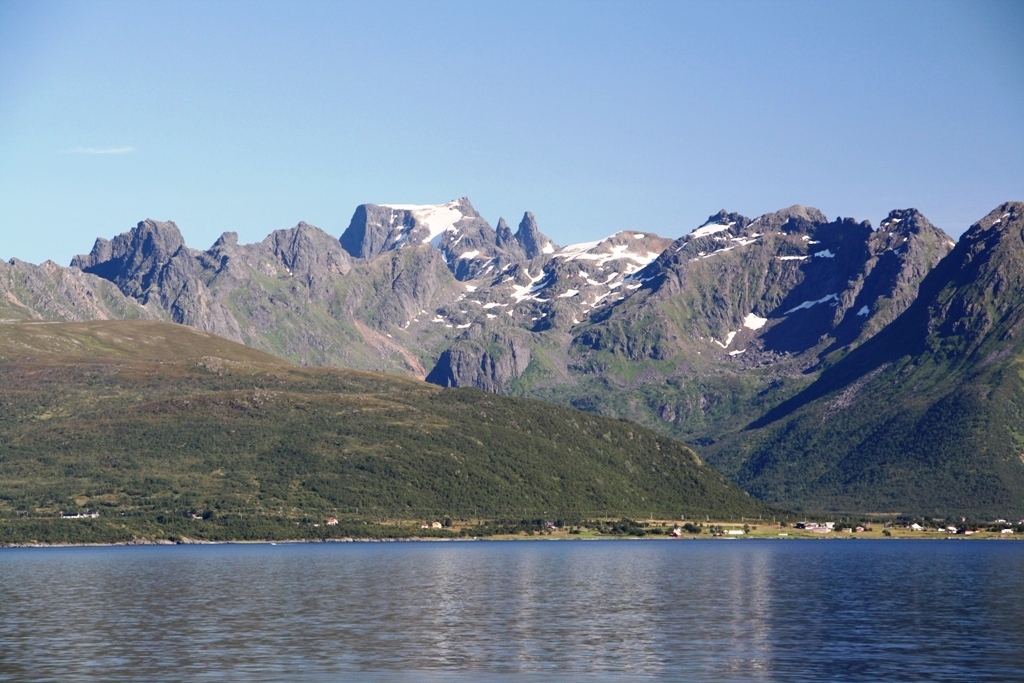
[(734, 532), (1006, 531)]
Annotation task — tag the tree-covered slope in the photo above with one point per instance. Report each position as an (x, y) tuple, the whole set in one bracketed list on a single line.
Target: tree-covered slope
[(927, 416), (125, 416)]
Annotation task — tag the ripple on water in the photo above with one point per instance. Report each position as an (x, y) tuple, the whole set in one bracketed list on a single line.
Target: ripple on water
[(516, 611)]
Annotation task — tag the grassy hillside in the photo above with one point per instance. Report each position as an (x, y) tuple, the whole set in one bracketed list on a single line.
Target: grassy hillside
[(144, 417)]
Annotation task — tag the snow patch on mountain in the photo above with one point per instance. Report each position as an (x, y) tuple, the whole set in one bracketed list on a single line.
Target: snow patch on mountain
[(437, 218), (706, 230), (717, 251), (573, 250), (728, 340), (754, 322), (809, 304), (522, 292), (603, 251)]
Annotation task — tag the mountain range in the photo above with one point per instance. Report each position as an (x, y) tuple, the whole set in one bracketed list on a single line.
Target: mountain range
[(813, 361)]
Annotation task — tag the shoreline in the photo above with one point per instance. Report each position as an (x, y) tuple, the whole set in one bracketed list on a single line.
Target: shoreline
[(147, 543)]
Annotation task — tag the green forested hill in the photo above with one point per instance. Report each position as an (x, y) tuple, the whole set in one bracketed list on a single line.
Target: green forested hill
[(134, 416)]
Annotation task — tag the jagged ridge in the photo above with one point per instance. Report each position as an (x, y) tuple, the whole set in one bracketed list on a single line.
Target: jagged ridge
[(924, 417), (696, 336)]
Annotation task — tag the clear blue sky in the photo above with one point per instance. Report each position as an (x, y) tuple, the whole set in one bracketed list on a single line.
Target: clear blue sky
[(596, 116)]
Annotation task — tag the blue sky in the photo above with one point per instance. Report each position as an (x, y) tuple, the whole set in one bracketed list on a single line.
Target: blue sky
[(596, 116)]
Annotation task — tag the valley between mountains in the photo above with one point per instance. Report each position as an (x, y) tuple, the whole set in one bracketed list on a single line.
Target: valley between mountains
[(819, 364)]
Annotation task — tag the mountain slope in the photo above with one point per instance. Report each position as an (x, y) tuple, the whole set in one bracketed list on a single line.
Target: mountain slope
[(728, 325), (50, 292), (923, 417), (432, 290), (740, 314), (297, 293), (143, 416)]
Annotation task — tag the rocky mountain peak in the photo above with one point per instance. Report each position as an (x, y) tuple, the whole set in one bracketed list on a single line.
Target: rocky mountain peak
[(149, 239), (899, 215), (723, 217), (904, 229), (465, 207), (793, 218), (722, 224), (1002, 217), (101, 252), (906, 223), (227, 239), (471, 248), (151, 264), (533, 242), (133, 259), (975, 298), (966, 309), (308, 252), (376, 228), (807, 213), (507, 242)]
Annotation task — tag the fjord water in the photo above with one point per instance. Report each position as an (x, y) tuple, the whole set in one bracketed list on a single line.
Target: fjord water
[(518, 611)]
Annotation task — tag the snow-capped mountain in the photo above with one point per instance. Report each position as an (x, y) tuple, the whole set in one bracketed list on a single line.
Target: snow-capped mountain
[(561, 286), (406, 283), (470, 247)]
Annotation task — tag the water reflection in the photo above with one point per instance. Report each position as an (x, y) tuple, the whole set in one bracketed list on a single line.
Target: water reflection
[(623, 610)]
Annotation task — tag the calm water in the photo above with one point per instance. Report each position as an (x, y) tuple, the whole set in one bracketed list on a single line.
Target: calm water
[(517, 611)]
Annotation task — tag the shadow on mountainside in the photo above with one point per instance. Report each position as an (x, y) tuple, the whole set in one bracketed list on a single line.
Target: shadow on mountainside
[(907, 335)]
